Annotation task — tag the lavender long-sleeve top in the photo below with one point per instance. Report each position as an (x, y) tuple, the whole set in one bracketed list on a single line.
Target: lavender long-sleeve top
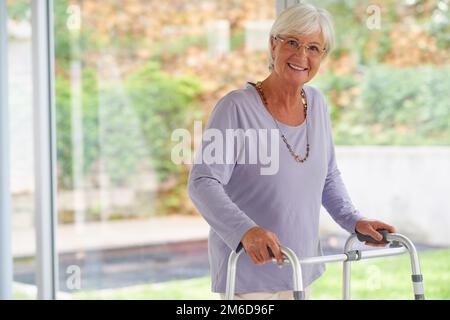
[(234, 196)]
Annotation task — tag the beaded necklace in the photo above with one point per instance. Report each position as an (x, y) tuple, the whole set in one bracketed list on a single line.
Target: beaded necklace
[(297, 157)]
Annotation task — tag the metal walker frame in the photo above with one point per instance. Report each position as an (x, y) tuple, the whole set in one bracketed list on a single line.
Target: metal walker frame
[(399, 244)]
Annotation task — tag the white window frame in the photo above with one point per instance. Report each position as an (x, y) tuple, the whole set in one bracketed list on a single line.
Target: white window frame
[(6, 260), (44, 149)]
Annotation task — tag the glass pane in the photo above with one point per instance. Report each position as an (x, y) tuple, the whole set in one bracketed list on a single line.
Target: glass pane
[(21, 144), (127, 76), (386, 84), (386, 81)]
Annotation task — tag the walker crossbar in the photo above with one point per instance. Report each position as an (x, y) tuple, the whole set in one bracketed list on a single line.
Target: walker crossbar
[(349, 255)]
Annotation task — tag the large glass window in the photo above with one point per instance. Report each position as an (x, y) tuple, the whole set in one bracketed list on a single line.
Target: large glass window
[(127, 75), (386, 84), (386, 80)]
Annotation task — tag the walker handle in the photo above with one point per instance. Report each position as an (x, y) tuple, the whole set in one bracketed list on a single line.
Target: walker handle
[(240, 247), (363, 238)]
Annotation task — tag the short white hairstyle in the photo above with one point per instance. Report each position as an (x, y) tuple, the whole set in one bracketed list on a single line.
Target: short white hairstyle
[(304, 19)]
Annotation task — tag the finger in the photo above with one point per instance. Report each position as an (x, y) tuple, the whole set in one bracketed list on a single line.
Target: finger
[(264, 252), (260, 255), (383, 225), (252, 252), (255, 258), (278, 242), (276, 251), (252, 257), (374, 233), (372, 244)]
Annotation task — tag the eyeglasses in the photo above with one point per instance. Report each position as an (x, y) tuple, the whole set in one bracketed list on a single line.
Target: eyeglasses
[(292, 44)]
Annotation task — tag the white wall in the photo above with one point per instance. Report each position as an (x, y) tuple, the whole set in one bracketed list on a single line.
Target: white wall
[(21, 116), (408, 187)]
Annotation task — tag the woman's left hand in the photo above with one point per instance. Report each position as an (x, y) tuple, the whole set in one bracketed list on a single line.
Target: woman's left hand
[(369, 227)]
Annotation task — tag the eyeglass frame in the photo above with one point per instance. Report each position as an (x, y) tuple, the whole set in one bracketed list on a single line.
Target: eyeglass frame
[(307, 46)]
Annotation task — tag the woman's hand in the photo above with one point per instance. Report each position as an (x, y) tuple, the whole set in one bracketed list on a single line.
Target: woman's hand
[(369, 227), (257, 240)]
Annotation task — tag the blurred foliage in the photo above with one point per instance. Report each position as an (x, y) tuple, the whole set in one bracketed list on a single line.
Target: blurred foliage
[(64, 120), (384, 86), (174, 45), (19, 10), (389, 86), (125, 123), (435, 16), (70, 43), (405, 106), (237, 39), (162, 104)]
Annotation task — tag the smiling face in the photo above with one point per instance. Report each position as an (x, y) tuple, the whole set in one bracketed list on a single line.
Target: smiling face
[(296, 67)]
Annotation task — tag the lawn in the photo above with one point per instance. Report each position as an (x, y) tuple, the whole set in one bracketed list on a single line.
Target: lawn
[(387, 278)]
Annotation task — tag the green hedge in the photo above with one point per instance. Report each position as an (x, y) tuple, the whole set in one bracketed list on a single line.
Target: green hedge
[(125, 123), (393, 106)]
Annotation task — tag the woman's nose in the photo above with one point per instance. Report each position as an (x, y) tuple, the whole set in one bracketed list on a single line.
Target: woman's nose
[(301, 51)]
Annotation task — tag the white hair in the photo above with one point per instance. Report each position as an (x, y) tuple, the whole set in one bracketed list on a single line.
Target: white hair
[(304, 19)]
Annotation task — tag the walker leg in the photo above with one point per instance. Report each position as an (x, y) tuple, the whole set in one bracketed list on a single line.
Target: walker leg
[(417, 278), (418, 287), (299, 295), (346, 280), (347, 268)]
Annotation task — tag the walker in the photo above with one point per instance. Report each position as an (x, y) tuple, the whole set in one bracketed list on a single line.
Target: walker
[(398, 244)]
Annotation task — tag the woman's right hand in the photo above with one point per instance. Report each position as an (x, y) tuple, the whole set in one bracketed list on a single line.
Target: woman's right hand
[(257, 240)]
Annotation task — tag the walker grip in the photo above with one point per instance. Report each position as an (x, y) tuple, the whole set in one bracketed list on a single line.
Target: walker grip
[(363, 238)]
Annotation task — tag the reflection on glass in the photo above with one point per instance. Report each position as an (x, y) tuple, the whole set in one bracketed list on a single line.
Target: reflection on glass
[(125, 79), (127, 76), (21, 146)]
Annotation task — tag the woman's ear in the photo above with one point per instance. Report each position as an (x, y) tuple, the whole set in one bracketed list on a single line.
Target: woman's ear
[(272, 44)]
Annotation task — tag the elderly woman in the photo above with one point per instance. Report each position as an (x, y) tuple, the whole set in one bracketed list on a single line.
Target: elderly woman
[(261, 211)]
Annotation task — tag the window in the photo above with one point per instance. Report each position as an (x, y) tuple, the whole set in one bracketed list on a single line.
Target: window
[(126, 76)]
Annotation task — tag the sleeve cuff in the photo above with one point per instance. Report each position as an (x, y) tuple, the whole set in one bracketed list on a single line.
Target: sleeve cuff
[(356, 216), (235, 240)]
